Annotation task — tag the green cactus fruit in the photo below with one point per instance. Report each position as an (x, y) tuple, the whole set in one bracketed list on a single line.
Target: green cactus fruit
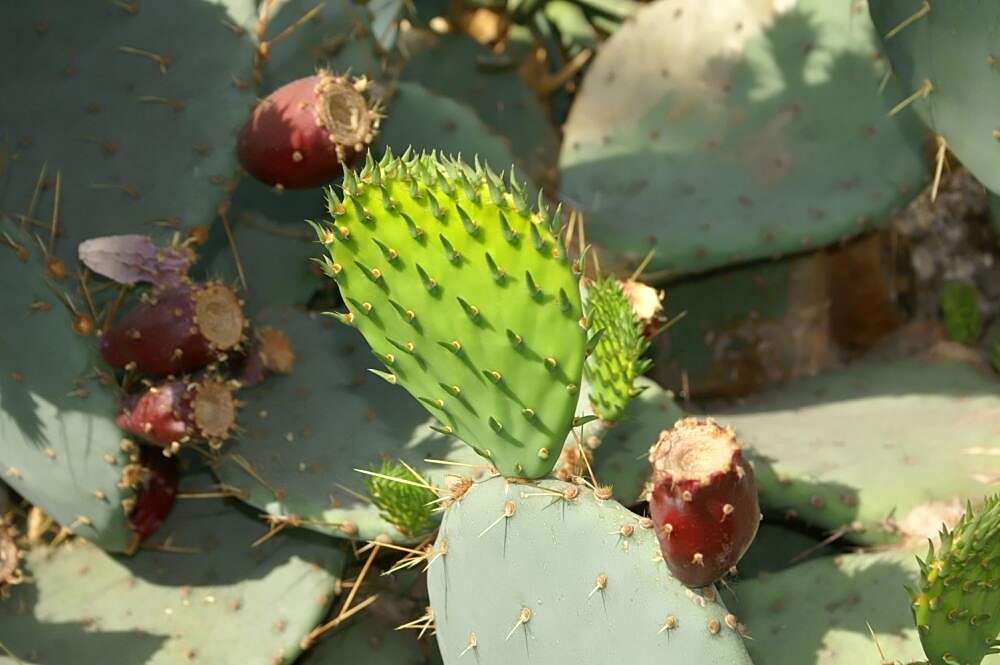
[(943, 53), (406, 505), (199, 593), (571, 577), (469, 300), (960, 311), (737, 145), (116, 125), (868, 451), (957, 605), (617, 359), (303, 434)]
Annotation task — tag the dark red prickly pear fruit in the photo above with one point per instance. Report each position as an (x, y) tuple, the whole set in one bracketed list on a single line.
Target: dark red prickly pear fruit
[(156, 491), (302, 133), (704, 500), (172, 413), (176, 330)]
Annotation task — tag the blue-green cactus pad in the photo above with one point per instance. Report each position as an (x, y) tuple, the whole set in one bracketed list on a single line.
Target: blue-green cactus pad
[(764, 135)]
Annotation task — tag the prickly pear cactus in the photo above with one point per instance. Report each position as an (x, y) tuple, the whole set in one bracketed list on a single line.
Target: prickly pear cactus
[(198, 593), (957, 605), (102, 87), (944, 55), (737, 145), (467, 298), (873, 449), (615, 601), (818, 612), (617, 358), (305, 434), (61, 448)]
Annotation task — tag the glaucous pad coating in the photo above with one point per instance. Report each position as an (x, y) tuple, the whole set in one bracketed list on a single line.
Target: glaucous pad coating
[(617, 359), (944, 54), (764, 136), (703, 502), (135, 106), (819, 612), (59, 445), (546, 572), (468, 299), (197, 594), (957, 606), (823, 448)]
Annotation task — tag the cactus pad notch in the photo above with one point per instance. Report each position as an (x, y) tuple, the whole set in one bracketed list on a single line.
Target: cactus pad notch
[(467, 297)]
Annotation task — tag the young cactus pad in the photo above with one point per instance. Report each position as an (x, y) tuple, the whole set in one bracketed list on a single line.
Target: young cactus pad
[(617, 358), (957, 607), (549, 573), (468, 299)]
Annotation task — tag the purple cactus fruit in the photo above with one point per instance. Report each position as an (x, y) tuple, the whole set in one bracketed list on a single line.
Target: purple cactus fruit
[(176, 330), (172, 413), (301, 135)]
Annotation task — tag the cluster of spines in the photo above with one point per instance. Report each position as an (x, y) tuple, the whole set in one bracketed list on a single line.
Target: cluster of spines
[(617, 356), (423, 175), (957, 607)]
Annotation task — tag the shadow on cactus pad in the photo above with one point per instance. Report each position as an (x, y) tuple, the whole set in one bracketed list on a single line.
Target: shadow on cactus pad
[(763, 137), (197, 592)]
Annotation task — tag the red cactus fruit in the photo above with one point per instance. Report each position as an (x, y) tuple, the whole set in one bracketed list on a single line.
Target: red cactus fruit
[(704, 500), (172, 413), (156, 483), (302, 133), (176, 330)]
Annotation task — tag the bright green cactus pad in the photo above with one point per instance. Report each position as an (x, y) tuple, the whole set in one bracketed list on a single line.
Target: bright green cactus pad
[(59, 445), (617, 359), (468, 299), (817, 613), (205, 596), (565, 581), (135, 125), (944, 55), (879, 444), (303, 435), (957, 604), (764, 136)]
